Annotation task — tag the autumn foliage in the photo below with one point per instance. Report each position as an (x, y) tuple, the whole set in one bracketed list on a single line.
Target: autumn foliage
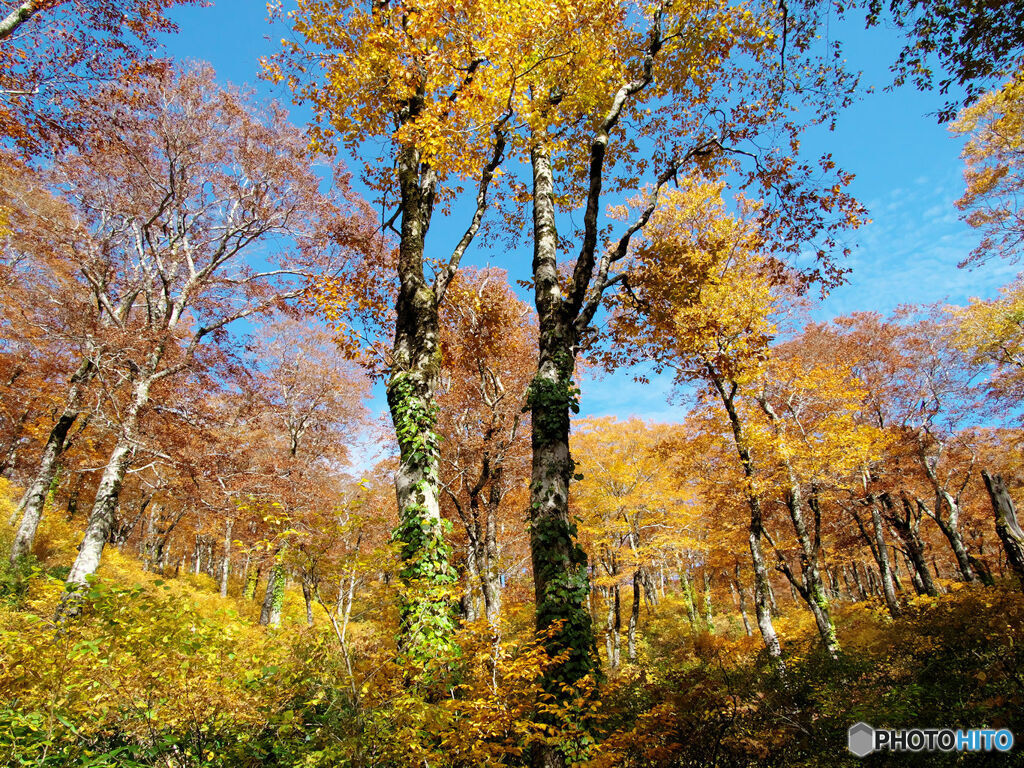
[(283, 482)]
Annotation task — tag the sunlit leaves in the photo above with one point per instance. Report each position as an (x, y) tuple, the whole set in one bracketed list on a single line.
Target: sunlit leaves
[(703, 296), (994, 157)]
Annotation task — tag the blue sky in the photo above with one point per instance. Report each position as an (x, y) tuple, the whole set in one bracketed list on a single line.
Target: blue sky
[(907, 167)]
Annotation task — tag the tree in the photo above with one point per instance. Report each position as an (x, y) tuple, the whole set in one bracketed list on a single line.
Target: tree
[(921, 390), (990, 334), (308, 402), (701, 86), (487, 337), (34, 335), (53, 52), (48, 309), (975, 43), (174, 196), (632, 512), (429, 85), (701, 305), (994, 158), (1007, 526)]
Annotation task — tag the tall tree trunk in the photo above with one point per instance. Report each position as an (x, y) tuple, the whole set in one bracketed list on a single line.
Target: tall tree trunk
[(76, 489), (755, 538), (427, 602), (613, 626), (18, 16), (634, 617), (882, 555), (617, 591), (894, 567), (833, 583), (147, 548), (738, 587), (490, 576), (469, 596), (691, 598), (10, 454), (907, 527), (273, 598), (915, 577), (949, 524), (559, 563), (307, 596), (649, 586), (860, 584), (772, 602), (101, 518), (1007, 526), (812, 588), (225, 563), (31, 507), (709, 619)]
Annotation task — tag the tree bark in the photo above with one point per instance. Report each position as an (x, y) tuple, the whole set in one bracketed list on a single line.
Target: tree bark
[(426, 603), (307, 596), (559, 563), (950, 523), (709, 619), (882, 554), (273, 597), (860, 584), (197, 555), (634, 618), (31, 507), (907, 527), (490, 576), (101, 518), (951, 530), (812, 589), (691, 599), (469, 596), (738, 586), (762, 584), (225, 564), (613, 626), (1007, 526), (22, 13), (10, 454)]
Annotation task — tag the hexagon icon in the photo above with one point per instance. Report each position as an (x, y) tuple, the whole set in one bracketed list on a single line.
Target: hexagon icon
[(861, 739)]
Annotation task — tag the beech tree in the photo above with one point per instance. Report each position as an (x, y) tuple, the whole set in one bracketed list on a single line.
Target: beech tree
[(309, 409), (53, 52), (973, 44), (49, 302), (632, 97), (814, 445), (634, 514), (921, 390), (487, 337), (990, 334), (173, 196), (428, 86), (704, 301), (35, 333), (994, 160)]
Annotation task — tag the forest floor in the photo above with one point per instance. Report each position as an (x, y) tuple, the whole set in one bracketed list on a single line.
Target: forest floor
[(162, 671)]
